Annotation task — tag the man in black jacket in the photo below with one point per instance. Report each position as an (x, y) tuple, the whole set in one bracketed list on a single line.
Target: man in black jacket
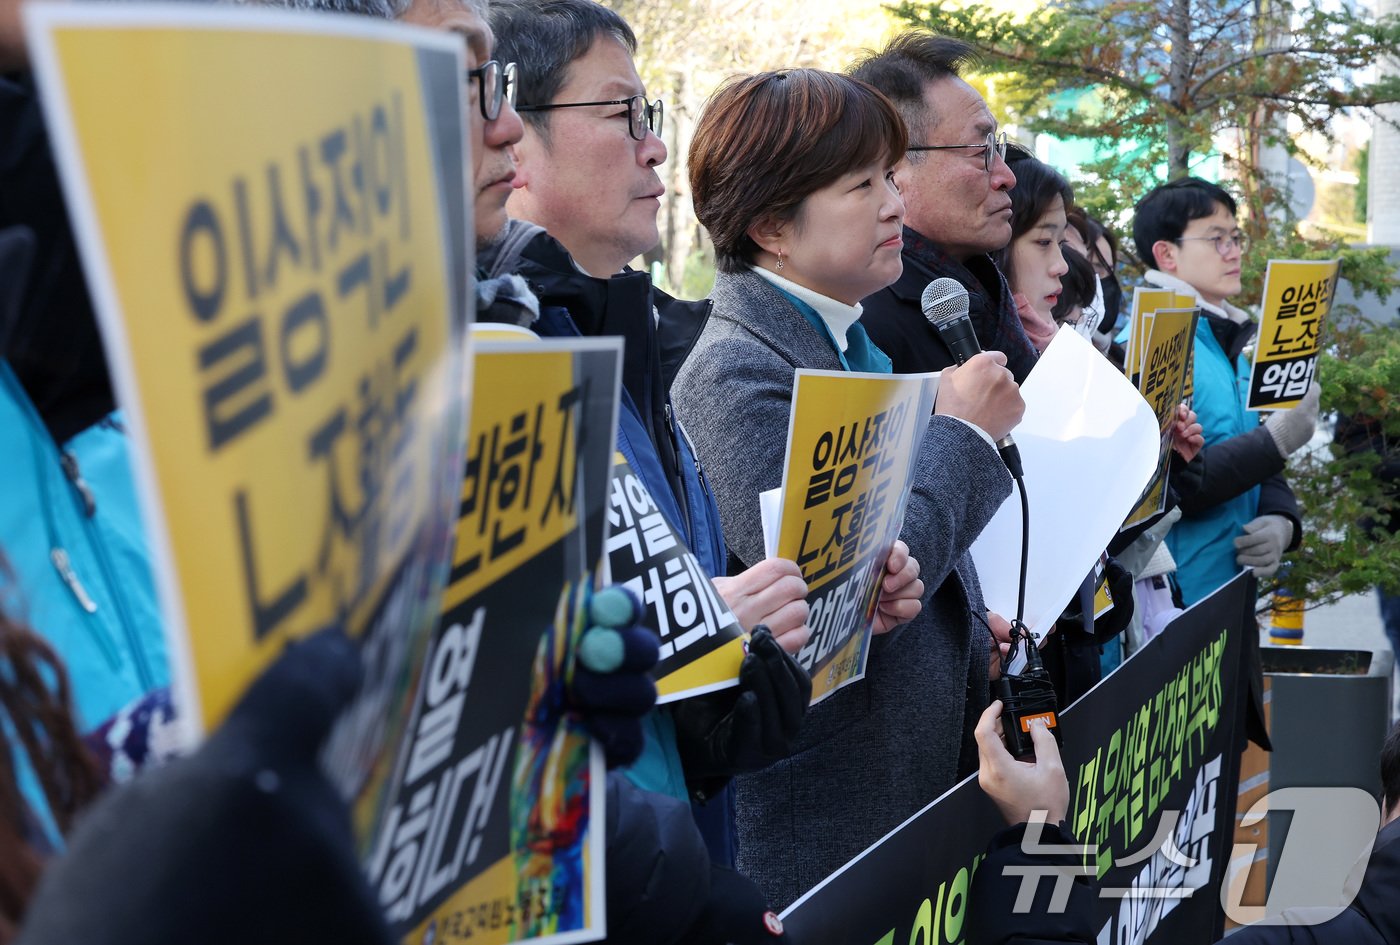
[(957, 210), (586, 173)]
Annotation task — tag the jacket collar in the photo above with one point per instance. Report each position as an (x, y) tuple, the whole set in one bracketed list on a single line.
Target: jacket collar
[(978, 274), (750, 301), (838, 316), (1166, 281)]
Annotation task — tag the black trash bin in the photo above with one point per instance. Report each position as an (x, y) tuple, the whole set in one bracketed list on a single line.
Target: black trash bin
[(1329, 712)]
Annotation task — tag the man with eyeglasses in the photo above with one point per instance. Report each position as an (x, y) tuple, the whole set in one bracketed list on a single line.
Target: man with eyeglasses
[(585, 205), (954, 181), (1244, 514), (587, 164)]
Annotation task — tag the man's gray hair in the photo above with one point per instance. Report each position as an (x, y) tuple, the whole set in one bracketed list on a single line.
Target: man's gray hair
[(906, 65), (545, 37)]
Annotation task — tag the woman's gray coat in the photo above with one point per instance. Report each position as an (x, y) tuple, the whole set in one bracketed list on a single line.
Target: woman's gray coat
[(882, 748)]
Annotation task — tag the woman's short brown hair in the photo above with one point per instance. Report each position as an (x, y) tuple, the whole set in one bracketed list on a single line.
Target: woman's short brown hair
[(765, 142)]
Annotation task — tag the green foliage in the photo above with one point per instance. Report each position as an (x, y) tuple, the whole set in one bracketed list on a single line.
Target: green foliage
[(698, 280), (1339, 492), (1366, 270), (1171, 74), (1363, 181)]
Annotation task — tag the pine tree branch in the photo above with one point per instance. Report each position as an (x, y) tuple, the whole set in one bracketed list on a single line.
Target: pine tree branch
[(1057, 65)]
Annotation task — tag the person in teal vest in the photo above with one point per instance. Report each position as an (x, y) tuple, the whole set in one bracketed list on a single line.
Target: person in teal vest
[(1245, 514)]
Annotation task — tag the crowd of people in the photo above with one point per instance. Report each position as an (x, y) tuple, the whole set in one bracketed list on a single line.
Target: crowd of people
[(832, 200)]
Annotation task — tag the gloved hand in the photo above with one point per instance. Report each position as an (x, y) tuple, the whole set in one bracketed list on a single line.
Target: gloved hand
[(1261, 546), (244, 841), (1120, 588), (1292, 428), (662, 888), (16, 254), (747, 728), (612, 686)]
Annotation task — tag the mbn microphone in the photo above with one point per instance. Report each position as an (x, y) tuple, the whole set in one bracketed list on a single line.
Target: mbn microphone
[(945, 306)]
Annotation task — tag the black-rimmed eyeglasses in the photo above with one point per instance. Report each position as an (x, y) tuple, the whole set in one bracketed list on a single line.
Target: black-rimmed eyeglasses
[(995, 144), (641, 114), (496, 85)]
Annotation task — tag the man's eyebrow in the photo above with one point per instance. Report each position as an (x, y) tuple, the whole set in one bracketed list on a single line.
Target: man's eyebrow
[(621, 88)]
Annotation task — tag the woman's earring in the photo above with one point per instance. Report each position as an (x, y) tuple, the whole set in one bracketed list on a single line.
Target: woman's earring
[(780, 259)]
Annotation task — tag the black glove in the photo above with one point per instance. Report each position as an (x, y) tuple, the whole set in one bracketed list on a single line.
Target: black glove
[(244, 841), (662, 888), (1120, 588), (16, 254), (1076, 624), (1185, 479), (612, 688), (750, 727), (735, 913)]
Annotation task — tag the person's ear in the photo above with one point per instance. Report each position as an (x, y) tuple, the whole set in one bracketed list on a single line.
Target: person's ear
[(768, 234), (1164, 255)]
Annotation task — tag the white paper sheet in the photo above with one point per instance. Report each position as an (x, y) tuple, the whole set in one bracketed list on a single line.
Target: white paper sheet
[(770, 508), (1088, 444)]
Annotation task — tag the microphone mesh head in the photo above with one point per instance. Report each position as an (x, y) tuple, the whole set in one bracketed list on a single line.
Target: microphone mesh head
[(944, 300)]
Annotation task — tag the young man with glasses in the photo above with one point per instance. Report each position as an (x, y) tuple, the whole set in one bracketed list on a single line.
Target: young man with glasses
[(954, 180), (1244, 514)]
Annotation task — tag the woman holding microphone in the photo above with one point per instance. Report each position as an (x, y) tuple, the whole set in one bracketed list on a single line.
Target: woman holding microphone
[(792, 175)]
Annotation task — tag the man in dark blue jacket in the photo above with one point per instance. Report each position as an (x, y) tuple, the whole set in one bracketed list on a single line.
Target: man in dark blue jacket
[(586, 174)]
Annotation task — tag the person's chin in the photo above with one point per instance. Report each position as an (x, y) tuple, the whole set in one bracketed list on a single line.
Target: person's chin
[(490, 227), (888, 274), (998, 237), (643, 236), (641, 216)]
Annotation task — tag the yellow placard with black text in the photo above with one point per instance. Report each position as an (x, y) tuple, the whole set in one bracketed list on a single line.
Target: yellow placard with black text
[(852, 442), (1146, 300), (1297, 297), (271, 213), (1162, 383), (493, 831), (701, 641)]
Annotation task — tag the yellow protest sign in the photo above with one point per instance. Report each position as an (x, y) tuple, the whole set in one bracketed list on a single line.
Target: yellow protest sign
[(493, 830), (1297, 297), (852, 440), (270, 209), (702, 643), (1103, 600), (1162, 383), (1146, 300)]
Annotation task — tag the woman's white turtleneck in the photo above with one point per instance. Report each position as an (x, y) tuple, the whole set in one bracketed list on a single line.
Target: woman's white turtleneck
[(838, 316)]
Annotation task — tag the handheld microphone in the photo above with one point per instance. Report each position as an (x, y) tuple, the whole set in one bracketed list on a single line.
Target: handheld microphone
[(945, 306)]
